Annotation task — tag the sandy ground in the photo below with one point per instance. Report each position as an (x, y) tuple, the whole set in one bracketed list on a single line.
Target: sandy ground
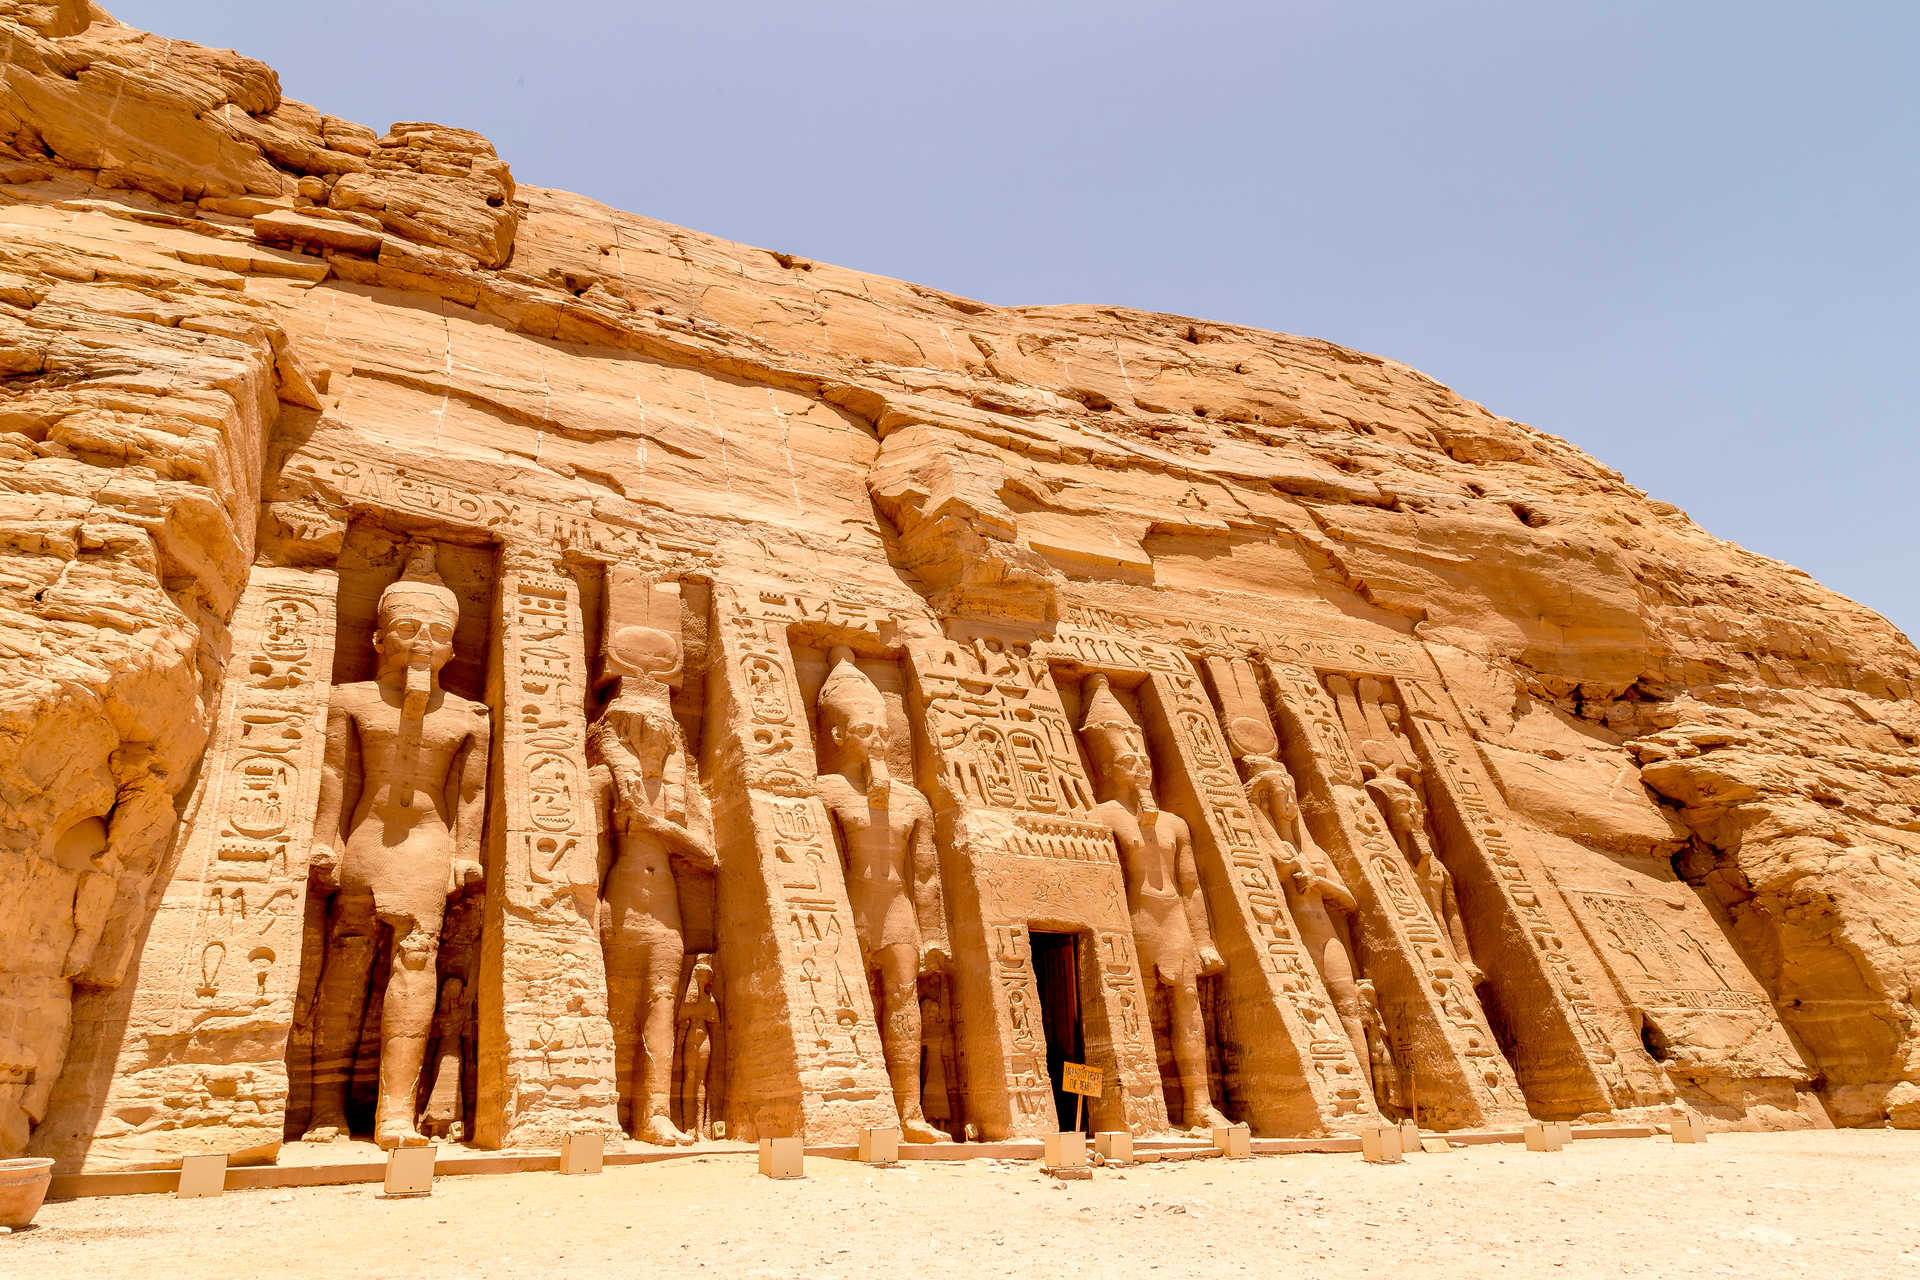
[(1843, 1204)]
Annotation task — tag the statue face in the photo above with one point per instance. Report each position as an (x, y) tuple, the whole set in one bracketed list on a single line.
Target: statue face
[(863, 736), (1285, 798), (415, 631), (1125, 760), (651, 737)]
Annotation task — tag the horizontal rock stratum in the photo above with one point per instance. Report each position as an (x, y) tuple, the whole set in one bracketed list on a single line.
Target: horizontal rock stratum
[(489, 666)]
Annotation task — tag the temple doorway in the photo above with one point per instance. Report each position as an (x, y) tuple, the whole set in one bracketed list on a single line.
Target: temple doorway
[(1056, 965)]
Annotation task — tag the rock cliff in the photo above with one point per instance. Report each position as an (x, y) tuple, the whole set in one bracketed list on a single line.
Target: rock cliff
[(239, 337)]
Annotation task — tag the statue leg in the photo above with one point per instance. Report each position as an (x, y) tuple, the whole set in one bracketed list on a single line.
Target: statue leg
[(900, 1037), (338, 1006), (1190, 1054), (405, 1019), (1336, 970), (659, 985), (623, 959), (693, 1079), (1457, 928)]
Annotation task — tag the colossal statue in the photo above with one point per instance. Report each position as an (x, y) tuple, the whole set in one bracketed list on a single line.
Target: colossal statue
[(1395, 789), (1171, 929), (398, 832), (1315, 892), (885, 829), (659, 821)]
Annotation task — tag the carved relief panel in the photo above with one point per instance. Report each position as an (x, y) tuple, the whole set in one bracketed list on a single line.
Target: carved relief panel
[(203, 1026)]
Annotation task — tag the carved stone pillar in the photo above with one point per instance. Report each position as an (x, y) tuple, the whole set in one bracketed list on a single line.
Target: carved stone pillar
[(546, 1065), (1459, 1073), (1575, 1045), (806, 1056), (189, 1055), (1299, 1073)]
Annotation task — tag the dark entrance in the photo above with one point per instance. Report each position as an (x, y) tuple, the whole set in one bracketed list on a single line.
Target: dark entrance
[(1056, 963)]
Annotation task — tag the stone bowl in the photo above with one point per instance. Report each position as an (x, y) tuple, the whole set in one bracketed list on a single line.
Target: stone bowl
[(23, 1185)]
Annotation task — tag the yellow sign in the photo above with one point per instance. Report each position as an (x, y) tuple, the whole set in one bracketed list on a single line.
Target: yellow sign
[(1078, 1078)]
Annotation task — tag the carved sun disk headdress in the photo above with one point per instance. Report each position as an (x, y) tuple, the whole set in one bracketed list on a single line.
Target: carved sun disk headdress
[(847, 693), (420, 581)]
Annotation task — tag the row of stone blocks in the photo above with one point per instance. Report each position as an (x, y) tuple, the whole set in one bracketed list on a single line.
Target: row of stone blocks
[(410, 1169)]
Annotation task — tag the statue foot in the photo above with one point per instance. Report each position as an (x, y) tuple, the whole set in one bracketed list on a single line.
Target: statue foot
[(918, 1130), (399, 1136), (325, 1131), (1204, 1120), (660, 1131)]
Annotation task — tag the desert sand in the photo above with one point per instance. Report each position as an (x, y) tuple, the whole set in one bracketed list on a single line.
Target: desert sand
[(1736, 1206)]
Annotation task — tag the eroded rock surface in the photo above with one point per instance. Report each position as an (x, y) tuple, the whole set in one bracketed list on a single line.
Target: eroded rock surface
[(1626, 814)]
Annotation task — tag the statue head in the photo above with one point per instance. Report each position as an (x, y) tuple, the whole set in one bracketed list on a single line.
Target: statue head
[(852, 713), (1114, 741), (642, 714), (1281, 792), (416, 617), (1367, 994), (642, 711)]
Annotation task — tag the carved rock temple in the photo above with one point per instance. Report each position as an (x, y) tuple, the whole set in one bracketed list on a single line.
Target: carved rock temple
[(483, 666)]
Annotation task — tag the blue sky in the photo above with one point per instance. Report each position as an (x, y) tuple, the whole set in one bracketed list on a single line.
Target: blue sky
[(1680, 234)]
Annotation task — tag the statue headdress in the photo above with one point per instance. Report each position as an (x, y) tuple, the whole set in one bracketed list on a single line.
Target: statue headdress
[(847, 691), (419, 581), (646, 659), (1104, 717)]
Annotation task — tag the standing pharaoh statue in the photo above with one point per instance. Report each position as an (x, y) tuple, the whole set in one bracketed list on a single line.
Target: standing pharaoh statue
[(1171, 930), (1315, 892), (398, 833), (1395, 788), (659, 825), (885, 830)]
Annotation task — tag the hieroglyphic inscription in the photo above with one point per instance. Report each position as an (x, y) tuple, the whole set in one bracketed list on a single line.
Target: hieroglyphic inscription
[(543, 729), (515, 521), (1001, 737), (264, 787), (558, 1060), (1029, 1094), (1317, 645)]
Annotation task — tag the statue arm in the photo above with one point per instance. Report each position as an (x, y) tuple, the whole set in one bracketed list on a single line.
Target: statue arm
[(927, 900), (1335, 892), (469, 807), (327, 833), (699, 851), (1187, 879)]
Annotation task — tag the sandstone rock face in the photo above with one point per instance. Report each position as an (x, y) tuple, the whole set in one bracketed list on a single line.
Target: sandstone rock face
[(885, 698)]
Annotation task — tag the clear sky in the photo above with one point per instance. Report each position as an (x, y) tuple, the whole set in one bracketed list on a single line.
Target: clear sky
[(1680, 233)]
